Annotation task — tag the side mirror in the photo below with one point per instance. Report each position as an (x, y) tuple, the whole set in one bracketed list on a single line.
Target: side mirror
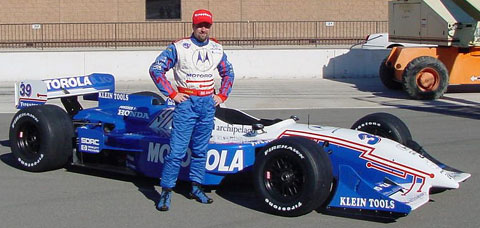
[(294, 118)]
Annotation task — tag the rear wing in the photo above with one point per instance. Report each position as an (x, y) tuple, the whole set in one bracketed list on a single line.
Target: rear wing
[(37, 92)]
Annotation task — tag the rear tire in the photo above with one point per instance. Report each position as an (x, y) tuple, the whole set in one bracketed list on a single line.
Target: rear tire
[(292, 176), (41, 138), (425, 78), (387, 76), (384, 125)]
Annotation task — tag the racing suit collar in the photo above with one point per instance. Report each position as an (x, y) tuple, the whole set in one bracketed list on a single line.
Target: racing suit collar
[(197, 42)]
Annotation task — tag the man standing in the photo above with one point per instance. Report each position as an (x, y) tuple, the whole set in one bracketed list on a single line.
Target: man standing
[(193, 60)]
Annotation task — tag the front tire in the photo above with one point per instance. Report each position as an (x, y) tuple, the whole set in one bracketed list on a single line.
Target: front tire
[(292, 176), (425, 78), (41, 138), (384, 125)]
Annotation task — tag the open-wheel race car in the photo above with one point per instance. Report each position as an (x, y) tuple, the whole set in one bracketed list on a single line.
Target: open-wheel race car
[(375, 167)]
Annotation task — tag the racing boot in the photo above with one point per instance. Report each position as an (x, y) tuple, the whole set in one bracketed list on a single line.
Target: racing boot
[(198, 194), (165, 198)]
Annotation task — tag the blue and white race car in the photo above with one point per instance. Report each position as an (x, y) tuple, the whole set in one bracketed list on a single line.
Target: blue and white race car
[(375, 167)]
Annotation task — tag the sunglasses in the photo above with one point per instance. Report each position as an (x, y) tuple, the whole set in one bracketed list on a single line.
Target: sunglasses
[(206, 25)]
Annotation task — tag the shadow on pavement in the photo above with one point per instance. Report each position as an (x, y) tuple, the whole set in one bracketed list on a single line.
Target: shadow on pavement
[(232, 190), (5, 143), (9, 160), (372, 85), (235, 189), (238, 189), (469, 112), (145, 185), (363, 217), (446, 105)]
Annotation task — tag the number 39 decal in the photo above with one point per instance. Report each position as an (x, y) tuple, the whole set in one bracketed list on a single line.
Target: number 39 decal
[(25, 90), (371, 139)]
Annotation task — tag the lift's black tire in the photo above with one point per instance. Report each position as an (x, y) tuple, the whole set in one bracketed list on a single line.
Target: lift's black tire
[(292, 176), (41, 138), (385, 125), (387, 76), (425, 78)]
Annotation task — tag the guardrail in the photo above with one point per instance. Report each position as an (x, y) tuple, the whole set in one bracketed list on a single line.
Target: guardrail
[(139, 34)]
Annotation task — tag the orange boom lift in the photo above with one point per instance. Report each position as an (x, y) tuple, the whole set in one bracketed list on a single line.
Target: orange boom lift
[(451, 27)]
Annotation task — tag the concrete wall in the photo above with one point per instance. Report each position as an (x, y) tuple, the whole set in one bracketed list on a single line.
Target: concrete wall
[(248, 63)]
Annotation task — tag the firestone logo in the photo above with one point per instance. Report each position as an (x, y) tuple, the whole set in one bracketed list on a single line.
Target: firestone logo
[(202, 14)]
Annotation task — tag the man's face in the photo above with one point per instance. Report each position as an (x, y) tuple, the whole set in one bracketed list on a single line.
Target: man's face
[(201, 31)]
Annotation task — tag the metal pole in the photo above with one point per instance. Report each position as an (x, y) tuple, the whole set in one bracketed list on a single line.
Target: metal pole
[(115, 35), (42, 34), (254, 31)]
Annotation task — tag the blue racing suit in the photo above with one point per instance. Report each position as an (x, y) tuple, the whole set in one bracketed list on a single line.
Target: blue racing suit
[(193, 119)]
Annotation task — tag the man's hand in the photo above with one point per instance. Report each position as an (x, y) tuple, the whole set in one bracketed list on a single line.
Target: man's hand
[(180, 97), (217, 100)]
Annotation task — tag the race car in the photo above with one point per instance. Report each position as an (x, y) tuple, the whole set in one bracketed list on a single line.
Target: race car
[(373, 168)]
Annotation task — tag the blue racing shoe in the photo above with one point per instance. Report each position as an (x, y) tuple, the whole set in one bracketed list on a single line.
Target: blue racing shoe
[(165, 198), (198, 194)]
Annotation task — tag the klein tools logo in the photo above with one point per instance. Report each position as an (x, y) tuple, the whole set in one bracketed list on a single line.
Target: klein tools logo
[(202, 59)]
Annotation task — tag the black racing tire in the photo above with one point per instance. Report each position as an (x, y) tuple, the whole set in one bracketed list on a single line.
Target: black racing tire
[(425, 78), (160, 99), (292, 176), (384, 125), (387, 76), (41, 138)]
